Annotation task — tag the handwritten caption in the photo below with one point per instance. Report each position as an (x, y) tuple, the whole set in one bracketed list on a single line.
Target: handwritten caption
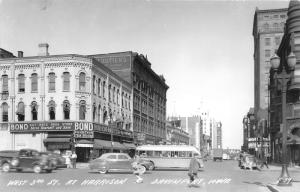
[(101, 182)]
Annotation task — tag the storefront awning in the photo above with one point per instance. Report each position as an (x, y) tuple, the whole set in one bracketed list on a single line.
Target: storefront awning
[(102, 144), (129, 145), (57, 140)]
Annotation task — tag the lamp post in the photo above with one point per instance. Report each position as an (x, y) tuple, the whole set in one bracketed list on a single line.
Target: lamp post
[(284, 77), (110, 121)]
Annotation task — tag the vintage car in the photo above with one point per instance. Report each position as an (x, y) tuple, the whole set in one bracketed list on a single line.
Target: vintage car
[(248, 161), (56, 159), (117, 162), (25, 159)]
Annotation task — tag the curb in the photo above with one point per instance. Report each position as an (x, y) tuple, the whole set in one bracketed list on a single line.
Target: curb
[(271, 188)]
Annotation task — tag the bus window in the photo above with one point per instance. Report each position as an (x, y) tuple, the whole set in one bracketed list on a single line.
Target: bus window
[(166, 154), (149, 153), (182, 154), (157, 154), (176, 154), (189, 154)]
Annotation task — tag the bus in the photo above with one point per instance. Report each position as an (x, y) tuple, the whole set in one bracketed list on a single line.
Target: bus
[(169, 156)]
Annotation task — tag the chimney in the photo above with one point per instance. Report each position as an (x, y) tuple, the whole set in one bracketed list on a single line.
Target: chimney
[(20, 54), (43, 49)]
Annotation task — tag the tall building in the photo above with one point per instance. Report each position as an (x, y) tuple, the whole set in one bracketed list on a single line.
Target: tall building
[(192, 125), (63, 102), (268, 28), (217, 135), (149, 94)]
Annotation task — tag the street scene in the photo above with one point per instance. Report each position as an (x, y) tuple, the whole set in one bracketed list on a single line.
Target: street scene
[(144, 95)]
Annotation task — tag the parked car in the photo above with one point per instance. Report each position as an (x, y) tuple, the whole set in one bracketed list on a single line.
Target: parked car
[(56, 159), (248, 162), (24, 159), (117, 162)]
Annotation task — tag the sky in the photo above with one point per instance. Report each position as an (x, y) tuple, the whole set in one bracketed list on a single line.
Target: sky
[(204, 49)]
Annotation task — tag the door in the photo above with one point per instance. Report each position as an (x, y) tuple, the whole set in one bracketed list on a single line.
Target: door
[(112, 161), (124, 162), (27, 158)]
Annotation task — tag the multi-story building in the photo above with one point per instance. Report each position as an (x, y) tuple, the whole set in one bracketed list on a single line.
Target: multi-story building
[(290, 43), (63, 102), (193, 126), (217, 135), (149, 94), (175, 134), (268, 27)]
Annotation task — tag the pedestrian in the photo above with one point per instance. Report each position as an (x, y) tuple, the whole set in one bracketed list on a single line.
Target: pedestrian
[(137, 169), (73, 159), (193, 169), (264, 162), (68, 161)]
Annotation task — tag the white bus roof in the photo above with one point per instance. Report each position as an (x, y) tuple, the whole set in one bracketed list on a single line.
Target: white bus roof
[(167, 148)]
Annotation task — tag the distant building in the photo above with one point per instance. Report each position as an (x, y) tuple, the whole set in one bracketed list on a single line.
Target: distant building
[(149, 92), (175, 134), (192, 125), (217, 135)]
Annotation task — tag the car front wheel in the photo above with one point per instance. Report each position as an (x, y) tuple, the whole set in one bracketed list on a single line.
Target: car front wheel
[(103, 170), (37, 169), (151, 167), (5, 167)]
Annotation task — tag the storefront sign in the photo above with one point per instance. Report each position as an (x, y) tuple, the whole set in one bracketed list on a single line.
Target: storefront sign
[(83, 134), (41, 126), (107, 129)]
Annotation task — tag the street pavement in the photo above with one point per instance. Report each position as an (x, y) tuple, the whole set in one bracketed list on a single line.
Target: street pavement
[(216, 176)]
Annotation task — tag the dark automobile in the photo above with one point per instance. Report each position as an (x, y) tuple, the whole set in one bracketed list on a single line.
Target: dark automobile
[(24, 159), (117, 162), (56, 159)]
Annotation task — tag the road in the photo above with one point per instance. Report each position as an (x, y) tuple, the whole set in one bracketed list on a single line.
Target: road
[(217, 176)]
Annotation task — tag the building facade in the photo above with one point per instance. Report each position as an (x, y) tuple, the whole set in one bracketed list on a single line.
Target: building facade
[(175, 134), (217, 135), (268, 27), (290, 43), (148, 94), (64, 102)]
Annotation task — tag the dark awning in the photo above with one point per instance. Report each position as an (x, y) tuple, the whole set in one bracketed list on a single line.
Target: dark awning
[(102, 144), (57, 140), (129, 145)]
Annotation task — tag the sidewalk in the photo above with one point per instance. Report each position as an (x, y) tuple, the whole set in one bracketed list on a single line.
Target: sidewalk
[(295, 187)]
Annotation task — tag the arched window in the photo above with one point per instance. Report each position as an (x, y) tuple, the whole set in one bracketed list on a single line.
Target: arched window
[(4, 112), (109, 93), (66, 108), (82, 110), (99, 113), (4, 83), (51, 81), (34, 82), (103, 90), (99, 87), (104, 115), (118, 92), (21, 111), (34, 111), (52, 110), (94, 112), (113, 95), (66, 81), (82, 81), (21, 82), (94, 87)]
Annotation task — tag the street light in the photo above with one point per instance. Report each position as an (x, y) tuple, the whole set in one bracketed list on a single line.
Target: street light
[(284, 179), (110, 122)]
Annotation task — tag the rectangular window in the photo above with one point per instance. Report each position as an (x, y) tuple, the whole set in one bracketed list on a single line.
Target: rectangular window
[(21, 83), (277, 40), (4, 83), (66, 83), (52, 82), (267, 41), (34, 83), (267, 53)]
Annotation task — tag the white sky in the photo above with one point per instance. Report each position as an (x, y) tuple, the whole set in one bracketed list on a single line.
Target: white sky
[(204, 49)]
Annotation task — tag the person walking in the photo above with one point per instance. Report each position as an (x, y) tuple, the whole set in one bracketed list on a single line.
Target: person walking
[(264, 162), (193, 169), (73, 159), (68, 161), (137, 169)]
